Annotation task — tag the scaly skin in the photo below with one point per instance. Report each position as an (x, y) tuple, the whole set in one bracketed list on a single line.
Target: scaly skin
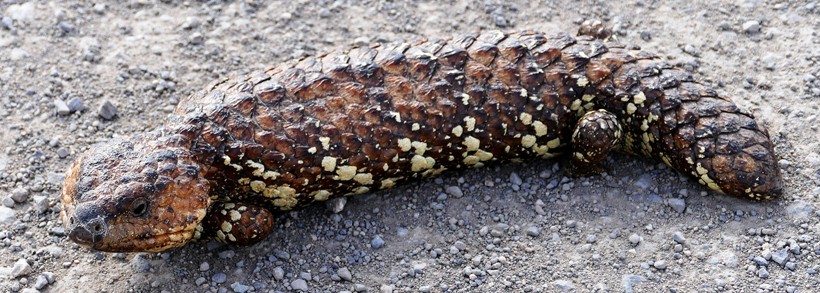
[(351, 122)]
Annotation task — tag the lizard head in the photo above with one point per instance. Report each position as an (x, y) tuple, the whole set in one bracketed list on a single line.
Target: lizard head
[(126, 196)]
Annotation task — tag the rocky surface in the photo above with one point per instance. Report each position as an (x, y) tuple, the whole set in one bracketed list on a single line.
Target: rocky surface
[(77, 72)]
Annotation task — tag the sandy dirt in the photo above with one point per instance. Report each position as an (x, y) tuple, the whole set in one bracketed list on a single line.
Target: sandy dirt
[(640, 227)]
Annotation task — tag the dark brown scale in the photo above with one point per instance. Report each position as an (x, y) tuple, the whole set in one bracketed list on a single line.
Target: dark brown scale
[(369, 118)]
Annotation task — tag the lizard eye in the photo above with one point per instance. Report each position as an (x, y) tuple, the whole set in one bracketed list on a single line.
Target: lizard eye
[(139, 207)]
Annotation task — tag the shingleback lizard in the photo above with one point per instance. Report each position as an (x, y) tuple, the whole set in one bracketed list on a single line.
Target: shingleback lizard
[(369, 118)]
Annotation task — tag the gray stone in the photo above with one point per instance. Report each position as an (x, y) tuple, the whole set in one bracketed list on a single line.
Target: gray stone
[(629, 281), (7, 215), (454, 190), (278, 273), (240, 288), (141, 264), (204, 266), (659, 264), (533, 231), (645, 182), (564, 286), (299, 284), (196, 39), (634, 239), (107, 110), (345, 274), (800, 209), (386, 288), (515, 179), (41, 282), (763, 273), (21, 12), (377, 242), (677, 204), (336, 205), (99, 8), (76, 104), (282, 254), (460, 245), (678, 237), (780, 257), (40, 204), (8, 202), (62, 153), (20, 268), (19, 195), (61, 107), (751, 27), (66, 27), (219, 278), (6, 23), (760, 261)]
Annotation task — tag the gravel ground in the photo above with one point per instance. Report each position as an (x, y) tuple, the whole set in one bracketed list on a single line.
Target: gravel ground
[(76, 72)]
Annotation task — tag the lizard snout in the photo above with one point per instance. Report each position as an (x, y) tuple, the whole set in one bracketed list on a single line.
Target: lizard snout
[(87, 226)]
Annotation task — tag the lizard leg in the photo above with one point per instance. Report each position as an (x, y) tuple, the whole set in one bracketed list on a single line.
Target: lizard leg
[(237, 223), (595, 135)]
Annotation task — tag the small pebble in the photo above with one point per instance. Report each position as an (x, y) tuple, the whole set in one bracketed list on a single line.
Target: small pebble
[(299, 284), (751, 27), (760, 261), (41, 282), (240, 288), (763, 273), (533, 231), (634, 239), (20, 268), (8, 202), (61, 107), (377, 242), (41, 204), (6, 22), (204, 266), (659, 264), (219, 278), (20, 195), (629, 281), (677, 204), (76, 105), (66, 27), (140, 264), (62, 153), (336, 205), (678, 237), (454, 190), (564, 286), (780, 257), (278, 273), (107, 110), (515, 179), (345, 274)]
